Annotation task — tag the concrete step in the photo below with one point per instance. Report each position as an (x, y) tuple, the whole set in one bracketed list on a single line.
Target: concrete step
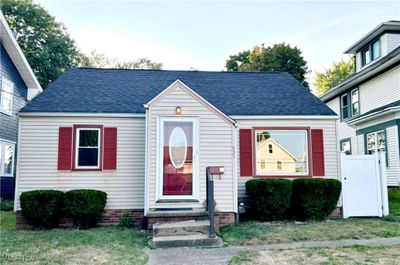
[(193, 240), (190, 227)]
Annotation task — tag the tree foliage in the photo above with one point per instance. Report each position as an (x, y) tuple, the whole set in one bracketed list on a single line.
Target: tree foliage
[(45, 42), (334, 75), (280, 57), (101, 60)]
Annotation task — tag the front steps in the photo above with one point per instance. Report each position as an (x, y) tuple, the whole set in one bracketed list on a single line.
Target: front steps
[(183, 234)]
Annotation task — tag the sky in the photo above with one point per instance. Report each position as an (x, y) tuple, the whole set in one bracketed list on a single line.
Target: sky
[(201, 35)]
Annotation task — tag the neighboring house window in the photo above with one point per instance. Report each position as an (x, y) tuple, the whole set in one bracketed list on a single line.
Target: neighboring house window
[(350, 104), (7, 159), (345, 146), (371, 52), (7, 89), (344, 102), (87, 153), (270, 150), (355, 104), (376, 141), (290, 152)]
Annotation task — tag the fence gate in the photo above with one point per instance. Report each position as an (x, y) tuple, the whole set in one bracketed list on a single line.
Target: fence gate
[(364, 185)]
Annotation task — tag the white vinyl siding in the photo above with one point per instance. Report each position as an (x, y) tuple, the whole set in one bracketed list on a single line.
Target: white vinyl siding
[(390, 41), (393, 170), (380, 91), (38, 151), (330, 143), (215, 149)]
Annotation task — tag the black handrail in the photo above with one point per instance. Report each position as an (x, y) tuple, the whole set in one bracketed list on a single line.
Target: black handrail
[(210, 202)]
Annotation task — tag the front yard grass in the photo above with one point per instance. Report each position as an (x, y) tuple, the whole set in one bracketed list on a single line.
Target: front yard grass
[(109, 245), (345, 255), (253, 233)]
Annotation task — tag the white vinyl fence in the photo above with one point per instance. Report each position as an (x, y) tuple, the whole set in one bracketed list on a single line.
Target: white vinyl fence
[(364, 187)]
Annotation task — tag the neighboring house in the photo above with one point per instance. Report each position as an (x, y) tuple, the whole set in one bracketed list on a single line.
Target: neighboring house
[(18, 85), (146, 137), (368, 102)]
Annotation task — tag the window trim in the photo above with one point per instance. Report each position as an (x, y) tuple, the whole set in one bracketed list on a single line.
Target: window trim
[(341, 107), (3, 82), (2, 150), (369, 47), (345, 140), (309, 173), (75, 166)]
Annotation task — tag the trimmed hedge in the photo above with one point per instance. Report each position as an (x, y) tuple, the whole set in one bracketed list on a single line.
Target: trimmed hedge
[(42, 208), (315, 198), (269, 198), (85, 206)]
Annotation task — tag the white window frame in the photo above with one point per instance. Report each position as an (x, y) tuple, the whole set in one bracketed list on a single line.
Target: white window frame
[(77, 148), (3, 150), (5, 81), (358, 102), (160, 159), (375, 149), (295, 174)]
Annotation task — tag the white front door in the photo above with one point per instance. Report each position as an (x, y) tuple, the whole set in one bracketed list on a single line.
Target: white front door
[(178, 155)]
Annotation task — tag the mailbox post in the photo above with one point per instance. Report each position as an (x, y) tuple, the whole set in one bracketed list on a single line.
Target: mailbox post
[(210, 173)]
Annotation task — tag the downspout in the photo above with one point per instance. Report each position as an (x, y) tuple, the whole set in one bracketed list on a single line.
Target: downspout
[(16, 190), (235, 172), (146, 170)]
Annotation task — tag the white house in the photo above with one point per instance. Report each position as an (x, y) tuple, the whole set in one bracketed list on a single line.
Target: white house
[(368, 102), (146, 137)]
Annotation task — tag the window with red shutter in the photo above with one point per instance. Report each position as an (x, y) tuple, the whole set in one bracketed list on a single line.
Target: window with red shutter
[(64, 148), (317, 145), (110, 148), (246, 152)]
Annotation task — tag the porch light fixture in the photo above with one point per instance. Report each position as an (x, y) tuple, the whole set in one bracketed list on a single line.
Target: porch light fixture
[(178, 110)]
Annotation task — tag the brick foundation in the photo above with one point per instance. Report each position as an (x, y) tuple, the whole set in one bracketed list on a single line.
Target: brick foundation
[(337, 213), (108, 218)]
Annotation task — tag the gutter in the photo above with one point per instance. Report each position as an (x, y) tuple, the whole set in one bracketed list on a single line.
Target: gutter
[(80, 114)]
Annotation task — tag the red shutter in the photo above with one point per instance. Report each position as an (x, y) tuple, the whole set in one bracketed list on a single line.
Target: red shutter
[(317, 145), (110, 148), (246, 152), (64, 148)]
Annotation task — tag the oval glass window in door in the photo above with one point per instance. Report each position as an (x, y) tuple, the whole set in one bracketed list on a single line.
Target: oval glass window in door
[(177, 147)]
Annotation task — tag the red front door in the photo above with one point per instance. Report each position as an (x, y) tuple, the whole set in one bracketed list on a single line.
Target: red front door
[(178, 158)]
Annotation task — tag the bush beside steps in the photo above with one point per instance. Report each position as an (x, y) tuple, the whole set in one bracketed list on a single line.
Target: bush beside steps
[(44, 208)]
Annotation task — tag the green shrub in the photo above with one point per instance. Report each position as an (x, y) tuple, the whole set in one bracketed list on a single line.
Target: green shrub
[(42, 208), (269, 198), (125, 220), (315, 198), (84, 206), (6, 205)]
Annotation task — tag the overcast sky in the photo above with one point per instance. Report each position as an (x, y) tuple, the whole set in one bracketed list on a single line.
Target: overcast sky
[(189, 34)]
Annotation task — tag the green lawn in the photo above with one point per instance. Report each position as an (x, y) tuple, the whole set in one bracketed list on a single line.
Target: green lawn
[(327, 256), (59, 246), (253, 233)]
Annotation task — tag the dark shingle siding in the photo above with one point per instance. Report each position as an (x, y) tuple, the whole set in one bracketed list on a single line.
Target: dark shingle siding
[(89, 90)]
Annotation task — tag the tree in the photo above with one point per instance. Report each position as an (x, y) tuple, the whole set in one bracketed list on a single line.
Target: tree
[(279, 57), (101, 60), (334, 75), (45, 42)]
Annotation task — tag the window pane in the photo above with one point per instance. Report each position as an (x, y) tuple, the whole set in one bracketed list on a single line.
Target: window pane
[(88, 138), (345, 113), (345, 147), (88, 157), (354, 96), (366, 56), (290, 152), (355, 108), (376, 50), (344, 101), (381, 140), (8, 159), (371, 141)]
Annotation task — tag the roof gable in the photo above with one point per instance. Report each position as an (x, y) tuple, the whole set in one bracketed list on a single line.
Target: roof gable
[(90, 90)]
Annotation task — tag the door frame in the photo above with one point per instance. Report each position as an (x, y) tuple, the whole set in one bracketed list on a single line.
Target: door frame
[(160, 159)]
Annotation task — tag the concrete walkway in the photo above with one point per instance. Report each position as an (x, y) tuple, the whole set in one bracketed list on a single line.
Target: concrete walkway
[(217, 256)]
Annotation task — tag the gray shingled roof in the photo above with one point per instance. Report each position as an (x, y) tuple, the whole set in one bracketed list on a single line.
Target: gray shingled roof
[(91, 90)]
